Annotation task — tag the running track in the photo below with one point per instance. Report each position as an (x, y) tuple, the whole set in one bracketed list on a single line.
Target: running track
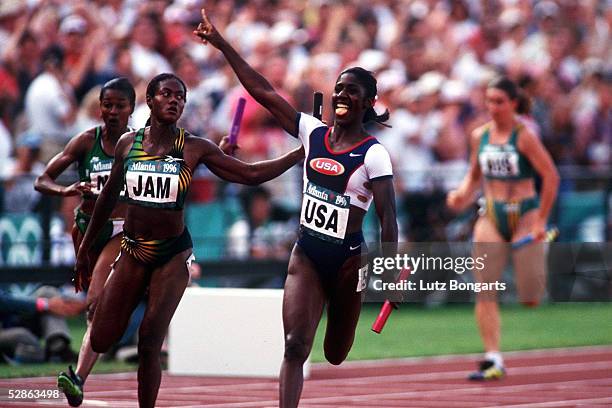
[(577, 377)]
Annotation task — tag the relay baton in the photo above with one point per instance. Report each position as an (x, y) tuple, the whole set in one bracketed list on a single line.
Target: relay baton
[(233, 137), (317, 105), (550, 235), (388, 306)]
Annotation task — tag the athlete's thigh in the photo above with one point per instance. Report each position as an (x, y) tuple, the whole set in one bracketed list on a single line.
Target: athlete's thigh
[(492, 249), (344, 304), (303, 298), (529, 263), (123, 290), (102, 268), (166, 288)]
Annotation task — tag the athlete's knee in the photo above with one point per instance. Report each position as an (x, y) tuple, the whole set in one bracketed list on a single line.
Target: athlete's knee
[(296, 348)]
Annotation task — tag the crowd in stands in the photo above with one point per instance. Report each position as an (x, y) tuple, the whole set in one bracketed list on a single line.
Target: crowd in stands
[(433, 60)]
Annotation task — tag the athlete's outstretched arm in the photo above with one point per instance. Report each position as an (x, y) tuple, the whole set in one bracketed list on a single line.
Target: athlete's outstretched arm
[(104, 207), (253, 81), (465, 194), (236, 171), (532, 147), (73, 152)]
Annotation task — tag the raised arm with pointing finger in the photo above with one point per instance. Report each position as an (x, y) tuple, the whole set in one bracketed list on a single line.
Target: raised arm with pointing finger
[(253, 81)]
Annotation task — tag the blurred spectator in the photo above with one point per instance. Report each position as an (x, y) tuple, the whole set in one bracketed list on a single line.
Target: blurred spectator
[(258, 234), (50, 105), (20, 173), (433, 59), (28, 320)]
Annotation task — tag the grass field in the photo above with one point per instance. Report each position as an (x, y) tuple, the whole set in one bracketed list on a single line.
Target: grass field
[(419, 331)]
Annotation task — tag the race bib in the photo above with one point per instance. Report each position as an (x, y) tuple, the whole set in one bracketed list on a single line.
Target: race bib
[(499, 163), (153, 181), (325, 213), (100, 171)]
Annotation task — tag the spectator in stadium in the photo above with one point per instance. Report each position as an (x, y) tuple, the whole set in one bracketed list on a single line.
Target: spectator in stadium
[(155, 165), (50, 105), (506, 156), (25, 320), (18, 175), (258, 235)]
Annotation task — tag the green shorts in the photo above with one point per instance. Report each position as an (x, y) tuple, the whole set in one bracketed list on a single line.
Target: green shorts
[(506, 214), (155, 252), (111, 228)]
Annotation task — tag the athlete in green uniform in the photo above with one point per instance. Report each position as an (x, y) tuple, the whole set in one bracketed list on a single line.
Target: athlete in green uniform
[(507, 155), (154, 166), (93, 151)]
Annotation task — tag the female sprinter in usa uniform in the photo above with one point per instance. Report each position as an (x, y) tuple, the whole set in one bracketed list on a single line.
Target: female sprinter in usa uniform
[(345, 168), (508, 155), (154, 166), (93, 152)]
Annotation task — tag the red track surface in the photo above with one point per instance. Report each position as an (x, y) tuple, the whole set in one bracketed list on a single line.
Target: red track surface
[(580, 377)]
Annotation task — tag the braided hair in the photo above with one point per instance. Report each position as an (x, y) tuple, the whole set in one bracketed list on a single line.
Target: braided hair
[(367, 80)]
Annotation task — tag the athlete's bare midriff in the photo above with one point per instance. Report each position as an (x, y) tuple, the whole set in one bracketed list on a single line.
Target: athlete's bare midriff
[(509, 190), (153, 223)]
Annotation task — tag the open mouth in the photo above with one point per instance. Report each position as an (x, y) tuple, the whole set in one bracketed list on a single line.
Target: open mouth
[(341, 109)]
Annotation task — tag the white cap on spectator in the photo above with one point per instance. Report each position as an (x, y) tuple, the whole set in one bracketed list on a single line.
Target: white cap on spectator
[(176, 14), (73, 24), (454, 91), (390, 79), (282, 32), (11, 7), (326, 60), (545, 9), (410, 93), (510, 18), (372, 60), (419, 10), (189, 3), (430, 82)]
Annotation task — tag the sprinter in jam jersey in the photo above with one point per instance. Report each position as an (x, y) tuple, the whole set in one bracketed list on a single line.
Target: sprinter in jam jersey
[(345, 169), (153, 166)]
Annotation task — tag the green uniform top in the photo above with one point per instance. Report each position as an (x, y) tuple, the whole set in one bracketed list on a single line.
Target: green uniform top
[(156, 181), (96, 166), (503, 161)]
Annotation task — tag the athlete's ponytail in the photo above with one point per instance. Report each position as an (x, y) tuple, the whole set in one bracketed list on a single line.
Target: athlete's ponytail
[(367, 80), (523, 105)]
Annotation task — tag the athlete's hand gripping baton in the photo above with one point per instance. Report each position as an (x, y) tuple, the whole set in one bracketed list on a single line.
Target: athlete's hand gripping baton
[(233, 137), (388, 306), (550, 235)]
